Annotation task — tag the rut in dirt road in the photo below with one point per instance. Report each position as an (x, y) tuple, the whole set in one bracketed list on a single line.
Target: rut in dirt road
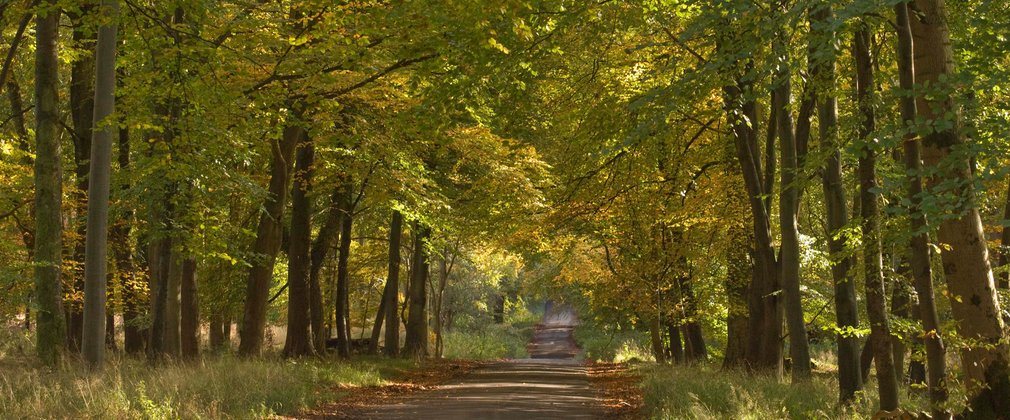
[(551, 384)]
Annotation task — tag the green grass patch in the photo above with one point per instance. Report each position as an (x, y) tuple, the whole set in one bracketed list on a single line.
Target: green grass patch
[(495, 341), (707, 392), (218, 387)]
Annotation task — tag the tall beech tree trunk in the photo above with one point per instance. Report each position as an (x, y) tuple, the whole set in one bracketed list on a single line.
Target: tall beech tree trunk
[(299, 342), (82, 113), (96, 251), (268, 243), (738, 272), (343, 275), (656, 336), (446, 264), (160, 259), (392, 339), (48, 250), (846, 309), (189, 306), (173, 303), (133, 334), (380, 317), (218, 338), (789, 257), (676, 345), (764, 348), (416, 343), (319, 250), (970, 283), (694, 341), (876, 305)]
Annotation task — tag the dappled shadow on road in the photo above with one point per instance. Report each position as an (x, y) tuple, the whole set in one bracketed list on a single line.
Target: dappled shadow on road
[(502, 391)]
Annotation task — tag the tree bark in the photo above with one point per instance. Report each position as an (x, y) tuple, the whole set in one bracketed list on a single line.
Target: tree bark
[(380, 317), (789, 256), (446, 264), (676, 345), (299, 342), (51, 330), (189, 323), (764, 348), (970, 284), (880, 334), (133, 335), (846, 309), (416, 343), (173, 303), (96, 248), (160, 259), (319, 250), (82, 113), (343, 275), (268, 242), (656, 336), (739, 269), (218, 338), (392, 339)]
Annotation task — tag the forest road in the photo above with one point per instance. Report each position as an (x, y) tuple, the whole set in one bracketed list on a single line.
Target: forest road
[(551, 384)]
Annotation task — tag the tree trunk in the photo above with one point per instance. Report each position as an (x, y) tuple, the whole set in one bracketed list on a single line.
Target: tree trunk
[(21, 130), (299, 342), (416, 344), (392, 339), (161, 255), (82, 113), (880, 333), (676, 345), (189, 323), (268, 242), (96, 248), (789, 256), (133, 335), (445, 267), (764, 348), (380, 316), (694, 342), (218, 339), (50, 328), (846, 309), (173, 304), (656, 334), (739, 268), (970, 284), (901, 309), (343, 276), (319, 250)]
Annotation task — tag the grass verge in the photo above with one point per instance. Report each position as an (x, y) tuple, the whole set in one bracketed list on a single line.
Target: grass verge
[(707, 392), (218, 387)]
